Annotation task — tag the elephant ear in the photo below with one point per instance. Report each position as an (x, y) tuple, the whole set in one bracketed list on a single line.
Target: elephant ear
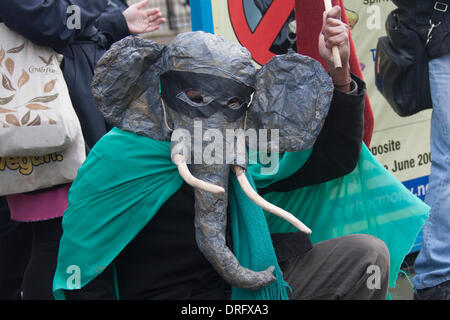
[(126, 87), (293, 94)]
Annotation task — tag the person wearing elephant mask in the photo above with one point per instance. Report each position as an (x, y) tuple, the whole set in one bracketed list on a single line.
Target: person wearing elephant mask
[(187, 229)]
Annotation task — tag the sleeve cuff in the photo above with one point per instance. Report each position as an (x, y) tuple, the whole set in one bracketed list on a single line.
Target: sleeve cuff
[(113, 25), (358, 88)]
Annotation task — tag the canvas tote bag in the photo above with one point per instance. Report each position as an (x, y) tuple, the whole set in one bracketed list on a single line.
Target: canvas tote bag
[(41, 142), (36, 113)]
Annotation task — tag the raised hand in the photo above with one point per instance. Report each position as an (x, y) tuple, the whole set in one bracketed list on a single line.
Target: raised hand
[(142, 20), (335, 33)]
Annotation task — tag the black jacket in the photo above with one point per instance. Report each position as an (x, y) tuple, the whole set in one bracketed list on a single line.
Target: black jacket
[(44, 23), (417, 13)]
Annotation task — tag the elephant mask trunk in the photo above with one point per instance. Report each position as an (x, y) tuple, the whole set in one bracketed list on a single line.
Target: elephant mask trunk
[(210, 227)]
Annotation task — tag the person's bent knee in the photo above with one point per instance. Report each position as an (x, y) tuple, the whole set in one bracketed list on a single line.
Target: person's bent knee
[(366, 242), (372, 255), (373, 248)]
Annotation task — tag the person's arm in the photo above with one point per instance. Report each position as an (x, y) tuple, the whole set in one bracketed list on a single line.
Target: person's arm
[(113, 25), (45, 21), (136, 19), (338, 146)]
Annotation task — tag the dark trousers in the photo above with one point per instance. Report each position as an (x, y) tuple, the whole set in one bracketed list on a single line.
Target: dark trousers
[(354, 267), (28, 256), (41, 267), (15, 248)]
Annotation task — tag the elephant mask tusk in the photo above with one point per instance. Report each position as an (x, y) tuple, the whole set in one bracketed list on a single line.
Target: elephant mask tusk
[(180, 162), (264, 204)]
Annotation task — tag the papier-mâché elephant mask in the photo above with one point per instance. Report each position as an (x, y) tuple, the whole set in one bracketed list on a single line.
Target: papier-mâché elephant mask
[(156, 91)]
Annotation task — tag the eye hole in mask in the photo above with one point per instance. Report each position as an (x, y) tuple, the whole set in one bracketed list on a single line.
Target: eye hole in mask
[(236, 103), (194, 98)]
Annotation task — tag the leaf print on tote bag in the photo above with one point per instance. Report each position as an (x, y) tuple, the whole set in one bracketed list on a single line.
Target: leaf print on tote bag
[(36, 113), (24, 78), (6, 100), (17, 49), (49, 86), (9, 64), (6, 83)]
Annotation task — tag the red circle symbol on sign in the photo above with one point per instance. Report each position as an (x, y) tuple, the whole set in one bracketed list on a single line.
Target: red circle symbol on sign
[(260, 41)]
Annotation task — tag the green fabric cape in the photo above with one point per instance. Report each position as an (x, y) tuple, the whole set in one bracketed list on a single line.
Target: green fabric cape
[(127, 177)]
